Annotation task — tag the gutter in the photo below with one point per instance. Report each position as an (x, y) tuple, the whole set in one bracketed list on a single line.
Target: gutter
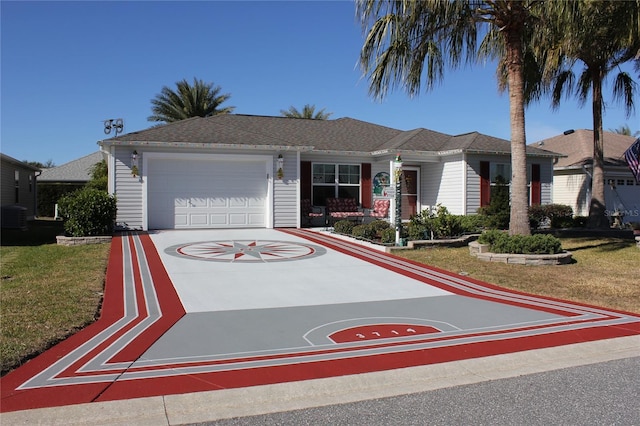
[(202, 145)]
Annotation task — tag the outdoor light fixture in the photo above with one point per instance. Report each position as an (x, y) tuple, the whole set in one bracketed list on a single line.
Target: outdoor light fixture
[(280, 166), (397, 175), (134, 163)]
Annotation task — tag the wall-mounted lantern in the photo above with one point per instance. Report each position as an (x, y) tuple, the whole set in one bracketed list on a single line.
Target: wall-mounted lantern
[(280, 166), (134, 163)]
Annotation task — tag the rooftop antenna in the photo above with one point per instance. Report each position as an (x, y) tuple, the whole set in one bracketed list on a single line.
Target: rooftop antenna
[(115, 124)]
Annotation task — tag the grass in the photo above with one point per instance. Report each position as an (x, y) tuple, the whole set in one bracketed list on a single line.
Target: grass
[(605, 272), (47, 292)]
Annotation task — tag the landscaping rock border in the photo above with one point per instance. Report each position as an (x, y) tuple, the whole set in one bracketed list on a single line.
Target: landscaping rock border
[(481, 251), (79, 241)]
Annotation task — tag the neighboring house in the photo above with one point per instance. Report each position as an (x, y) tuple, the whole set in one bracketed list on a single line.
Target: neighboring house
[(54, 182), (222, 171), (76, 172), (572, 173), (18, 192)]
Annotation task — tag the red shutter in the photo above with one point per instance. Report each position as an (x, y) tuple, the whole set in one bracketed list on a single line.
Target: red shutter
[(305, 180), (485, 184), (365, 179), (536, 195)]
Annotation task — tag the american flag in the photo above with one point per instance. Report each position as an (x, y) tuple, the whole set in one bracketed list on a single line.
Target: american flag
[(632, 155)]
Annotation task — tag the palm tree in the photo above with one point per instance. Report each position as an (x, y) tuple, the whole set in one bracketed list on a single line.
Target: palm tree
[(409, 38), (601, 35), (308, 111), (625, 130), (198, 100)]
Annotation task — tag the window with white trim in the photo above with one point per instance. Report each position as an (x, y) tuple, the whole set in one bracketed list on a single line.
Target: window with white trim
[(335, 181)]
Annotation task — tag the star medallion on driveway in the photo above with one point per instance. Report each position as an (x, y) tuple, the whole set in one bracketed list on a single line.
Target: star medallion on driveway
[(246, 251)]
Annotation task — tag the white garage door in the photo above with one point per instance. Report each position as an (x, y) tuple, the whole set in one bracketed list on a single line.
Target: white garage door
[(206, 193)]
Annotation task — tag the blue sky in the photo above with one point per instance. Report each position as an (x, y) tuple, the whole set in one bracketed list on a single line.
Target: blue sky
[(67, 66)]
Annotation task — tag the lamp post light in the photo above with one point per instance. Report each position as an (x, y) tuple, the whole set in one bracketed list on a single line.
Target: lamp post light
[(397, 175)]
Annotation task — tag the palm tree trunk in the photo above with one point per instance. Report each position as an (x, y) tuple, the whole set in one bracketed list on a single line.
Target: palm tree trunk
[(519, 221), (597, 206)]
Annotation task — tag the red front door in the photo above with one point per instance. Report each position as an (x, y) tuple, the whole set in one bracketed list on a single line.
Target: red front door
[(409, 199)]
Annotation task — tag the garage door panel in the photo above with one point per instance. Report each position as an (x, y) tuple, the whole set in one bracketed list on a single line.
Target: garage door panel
[(203, 193)]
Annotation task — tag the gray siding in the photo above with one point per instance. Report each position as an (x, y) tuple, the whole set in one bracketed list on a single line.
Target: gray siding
[(128, 190), (285, 192), (443, 183), (473, 178), (26, 187)]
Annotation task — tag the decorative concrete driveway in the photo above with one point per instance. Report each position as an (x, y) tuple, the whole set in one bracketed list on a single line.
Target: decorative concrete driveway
[(189, 311)]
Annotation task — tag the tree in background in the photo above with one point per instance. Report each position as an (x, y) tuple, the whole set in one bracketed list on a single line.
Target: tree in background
[(40, 165), (308, 111), (408, 39), (198, 100), (601, 35), (625, 130), (99, 176)]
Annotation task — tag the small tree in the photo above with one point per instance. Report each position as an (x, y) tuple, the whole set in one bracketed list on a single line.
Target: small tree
[(99, 176), (497, 212), (88, 212)]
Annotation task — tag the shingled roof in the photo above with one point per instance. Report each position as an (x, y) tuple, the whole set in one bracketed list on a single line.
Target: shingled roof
[(340, 135), (577, 146), (74, 171)]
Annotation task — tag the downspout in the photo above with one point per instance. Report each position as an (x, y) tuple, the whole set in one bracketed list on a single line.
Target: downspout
[(298, 191), (464, 183), (35, 192), (588, 197)]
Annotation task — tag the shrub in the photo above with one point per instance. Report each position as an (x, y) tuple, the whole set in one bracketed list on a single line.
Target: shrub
[(439, 223), (343, 227), (364, 232), (502, 242), (50, 193), (473, 223), (88, 212), (378, 226), (498, 212), (388, 236), (580, 221), (556, 215)]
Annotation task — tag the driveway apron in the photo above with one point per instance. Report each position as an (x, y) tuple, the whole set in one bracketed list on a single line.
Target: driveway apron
[(189, 311)]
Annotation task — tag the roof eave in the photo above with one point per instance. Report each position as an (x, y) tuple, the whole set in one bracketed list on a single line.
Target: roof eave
[(203, 145)]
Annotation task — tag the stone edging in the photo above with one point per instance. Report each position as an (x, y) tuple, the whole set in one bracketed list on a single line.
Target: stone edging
[(481, 251), (79, 241)]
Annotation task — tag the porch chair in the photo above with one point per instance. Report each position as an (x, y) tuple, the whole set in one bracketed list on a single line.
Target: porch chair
[(309, 212), (380, 209)]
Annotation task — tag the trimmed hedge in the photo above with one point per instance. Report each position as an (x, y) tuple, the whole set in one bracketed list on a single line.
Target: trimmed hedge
[(556, 215), (376, 230), (502, 242), (88, 212)]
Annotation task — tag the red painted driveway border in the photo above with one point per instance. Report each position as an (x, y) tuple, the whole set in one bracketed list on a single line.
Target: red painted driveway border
[(140, 305)]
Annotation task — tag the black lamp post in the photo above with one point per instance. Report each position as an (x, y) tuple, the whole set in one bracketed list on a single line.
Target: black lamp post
[(397, 175)]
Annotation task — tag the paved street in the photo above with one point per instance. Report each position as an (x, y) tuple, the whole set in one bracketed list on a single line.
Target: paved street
[(599, 394)]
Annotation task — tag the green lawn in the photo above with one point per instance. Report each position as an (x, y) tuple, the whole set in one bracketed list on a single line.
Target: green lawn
[(47, 292)]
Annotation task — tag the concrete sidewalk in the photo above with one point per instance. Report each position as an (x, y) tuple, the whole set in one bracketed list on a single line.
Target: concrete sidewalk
[(223, 404)]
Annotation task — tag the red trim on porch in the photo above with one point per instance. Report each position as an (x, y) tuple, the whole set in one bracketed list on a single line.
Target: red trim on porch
[(365, 179), (536, 193), (485, 183)]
